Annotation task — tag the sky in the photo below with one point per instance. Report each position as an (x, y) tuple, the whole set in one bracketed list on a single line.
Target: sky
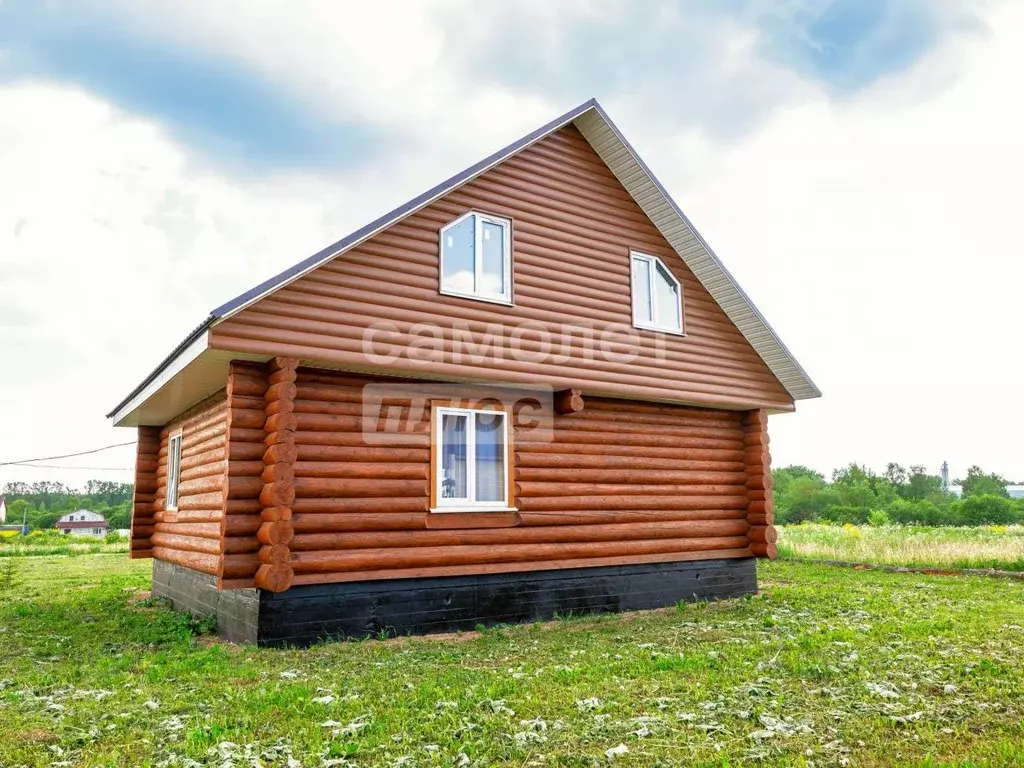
[(856, 164)]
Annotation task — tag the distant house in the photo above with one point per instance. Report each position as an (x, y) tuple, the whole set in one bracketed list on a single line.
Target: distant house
[(3, 510), (1014, 491), (82, 523)]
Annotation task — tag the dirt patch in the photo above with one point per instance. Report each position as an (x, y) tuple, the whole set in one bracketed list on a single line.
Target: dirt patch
[(36, 736), (139, 597)]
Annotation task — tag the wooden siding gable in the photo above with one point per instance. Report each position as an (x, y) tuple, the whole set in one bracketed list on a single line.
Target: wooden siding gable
[(573, 227)]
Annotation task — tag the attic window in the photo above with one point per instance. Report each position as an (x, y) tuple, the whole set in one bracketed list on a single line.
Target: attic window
[(657, 295), (476, 258)]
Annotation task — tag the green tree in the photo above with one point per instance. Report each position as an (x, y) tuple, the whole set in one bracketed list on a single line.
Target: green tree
[(979, 483)]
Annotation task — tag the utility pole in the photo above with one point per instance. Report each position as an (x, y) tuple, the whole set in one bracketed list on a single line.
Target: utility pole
[(945, 475)]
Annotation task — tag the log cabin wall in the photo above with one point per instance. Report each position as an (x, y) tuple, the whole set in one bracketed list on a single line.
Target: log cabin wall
[(621, 483), (761, 506), (240, 521), (147, 460), (191, 534), (573, 225)]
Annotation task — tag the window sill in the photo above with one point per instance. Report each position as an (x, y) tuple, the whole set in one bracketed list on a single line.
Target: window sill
[(502, 517), (656, 329), (475, 297), (464, 510)]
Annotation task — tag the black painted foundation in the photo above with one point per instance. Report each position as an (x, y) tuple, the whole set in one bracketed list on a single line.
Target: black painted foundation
[(307, 614)]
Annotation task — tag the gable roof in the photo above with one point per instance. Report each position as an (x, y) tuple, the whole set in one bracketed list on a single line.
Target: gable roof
[(613, 148)]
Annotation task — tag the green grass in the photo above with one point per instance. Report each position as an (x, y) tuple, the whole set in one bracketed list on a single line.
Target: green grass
[(1000, 547), (829, 666), (46, 544)]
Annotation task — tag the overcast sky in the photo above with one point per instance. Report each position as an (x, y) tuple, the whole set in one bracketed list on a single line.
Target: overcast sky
[(857, 165)]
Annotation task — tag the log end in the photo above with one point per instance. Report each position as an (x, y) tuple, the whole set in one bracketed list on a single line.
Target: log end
[(275, 578)]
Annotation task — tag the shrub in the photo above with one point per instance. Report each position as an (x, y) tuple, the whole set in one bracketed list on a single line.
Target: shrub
[(840, 513), (113, 537), (986, 509), (878, 517)]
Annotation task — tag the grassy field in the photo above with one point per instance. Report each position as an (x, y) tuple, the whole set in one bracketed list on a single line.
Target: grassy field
[(1000, 547), (829, 666), (15, 545)]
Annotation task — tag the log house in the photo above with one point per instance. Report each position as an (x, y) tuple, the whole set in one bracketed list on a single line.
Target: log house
[(532, 389)]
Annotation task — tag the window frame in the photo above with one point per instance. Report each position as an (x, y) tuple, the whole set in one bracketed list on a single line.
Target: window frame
[(173, 471), (653, 263), (505, 223), (438, 504)]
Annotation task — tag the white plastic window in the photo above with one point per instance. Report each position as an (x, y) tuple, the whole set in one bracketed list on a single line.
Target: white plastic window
[(173, 470), (473, 459), (476, 257), (657, 295)]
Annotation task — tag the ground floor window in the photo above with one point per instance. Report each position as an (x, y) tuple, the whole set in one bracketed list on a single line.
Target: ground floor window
[(470, 459)]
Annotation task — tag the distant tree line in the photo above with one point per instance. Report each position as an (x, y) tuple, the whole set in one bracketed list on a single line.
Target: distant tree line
[(911, 496), (42, 504)]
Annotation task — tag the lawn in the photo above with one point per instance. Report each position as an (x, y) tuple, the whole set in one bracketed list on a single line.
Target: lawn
[(997, 546), (828, 666)]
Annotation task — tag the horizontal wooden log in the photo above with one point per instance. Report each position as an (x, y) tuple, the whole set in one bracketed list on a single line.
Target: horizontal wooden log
[(361, 505), (328, 453), (239, 566), (366, 470), (254, 436), (244, 487), (206, 530), (308, 487), (514, 567), (564, 436), (241, 525), (631, 476), (596, 424), (759, 439), (248, 385), (761, 481), (245, 468), (763, 533), (246, 418), (197, 561), (140, 553), (202, 485), (275, 578), (403, 440), (203, 458), (185, 543), (243, 506), (201, 501), (612, 448), (417, 557), (611, 501), (518, 535), (761, 549), (525, 459), (238, 545), (193, 515), (239, 451), (535, 490)]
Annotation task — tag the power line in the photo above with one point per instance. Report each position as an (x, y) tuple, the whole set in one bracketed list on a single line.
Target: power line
[(66, 455), (65, 466)]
